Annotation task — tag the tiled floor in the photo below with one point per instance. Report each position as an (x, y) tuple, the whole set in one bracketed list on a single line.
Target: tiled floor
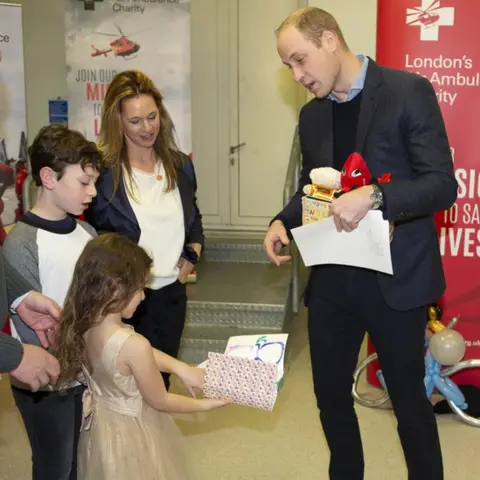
[(238, 443)]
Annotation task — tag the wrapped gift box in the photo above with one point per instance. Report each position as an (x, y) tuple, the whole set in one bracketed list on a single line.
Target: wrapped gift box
[(247, 382), (250, 372), (314, 210)]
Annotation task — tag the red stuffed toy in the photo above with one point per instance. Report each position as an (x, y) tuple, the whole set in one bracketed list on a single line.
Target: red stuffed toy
[(355, 174)]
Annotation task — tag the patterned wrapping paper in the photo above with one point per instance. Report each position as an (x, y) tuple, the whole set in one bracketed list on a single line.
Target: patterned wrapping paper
[(314, 210), (251, 383)]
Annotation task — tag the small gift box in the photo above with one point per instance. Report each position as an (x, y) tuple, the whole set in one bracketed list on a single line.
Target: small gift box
[(247, 382), (314, 210), (250, 372), (319, 194)]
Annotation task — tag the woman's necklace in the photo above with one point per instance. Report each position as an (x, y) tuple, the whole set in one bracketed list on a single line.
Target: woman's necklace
[(159, 175), (156, 171)]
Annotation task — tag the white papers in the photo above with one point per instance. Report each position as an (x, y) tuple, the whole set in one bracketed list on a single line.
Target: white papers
[(268, 348), (368, 246)]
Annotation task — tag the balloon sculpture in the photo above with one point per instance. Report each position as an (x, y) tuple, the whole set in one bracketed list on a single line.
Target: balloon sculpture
[(445, 349)]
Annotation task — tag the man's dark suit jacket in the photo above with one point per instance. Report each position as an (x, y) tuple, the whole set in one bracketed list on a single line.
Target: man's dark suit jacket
[(401, 131)]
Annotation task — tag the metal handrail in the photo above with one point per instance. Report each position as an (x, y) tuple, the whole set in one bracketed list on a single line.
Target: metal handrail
[(292, 180), (293, 170)]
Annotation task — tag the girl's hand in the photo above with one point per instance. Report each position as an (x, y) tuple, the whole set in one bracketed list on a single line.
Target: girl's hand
[(211, 403), (192, 377)]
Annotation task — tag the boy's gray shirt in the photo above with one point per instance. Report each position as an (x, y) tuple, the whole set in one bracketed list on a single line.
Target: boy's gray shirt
[(21, 251)]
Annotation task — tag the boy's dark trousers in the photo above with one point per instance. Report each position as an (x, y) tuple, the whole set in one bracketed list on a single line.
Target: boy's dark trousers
[(52, 421)]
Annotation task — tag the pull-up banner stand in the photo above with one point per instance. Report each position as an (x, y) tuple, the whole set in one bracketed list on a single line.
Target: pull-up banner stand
[(438, 39)]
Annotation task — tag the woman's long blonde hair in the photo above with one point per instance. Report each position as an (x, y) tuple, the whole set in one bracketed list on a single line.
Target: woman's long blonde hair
[(108, 273), (112, 141)]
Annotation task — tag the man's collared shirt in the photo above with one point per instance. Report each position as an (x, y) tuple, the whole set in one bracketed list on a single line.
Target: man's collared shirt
[(358, 83)]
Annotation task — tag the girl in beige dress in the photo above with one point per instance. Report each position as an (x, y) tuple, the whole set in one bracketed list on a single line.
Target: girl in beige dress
[(126, 431)]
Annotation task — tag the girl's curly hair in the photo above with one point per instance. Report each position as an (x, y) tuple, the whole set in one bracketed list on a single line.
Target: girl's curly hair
[(107, 275)]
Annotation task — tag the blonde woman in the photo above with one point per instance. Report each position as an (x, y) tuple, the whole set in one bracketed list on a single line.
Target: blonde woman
[(148, 193)]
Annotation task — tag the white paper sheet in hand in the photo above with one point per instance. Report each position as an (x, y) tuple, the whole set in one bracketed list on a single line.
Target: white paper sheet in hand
[(368, 246)]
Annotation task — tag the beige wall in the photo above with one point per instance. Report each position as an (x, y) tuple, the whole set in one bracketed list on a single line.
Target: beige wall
[(357, 19)]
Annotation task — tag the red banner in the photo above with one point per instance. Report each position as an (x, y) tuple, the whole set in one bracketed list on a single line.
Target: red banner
[(438, 40)]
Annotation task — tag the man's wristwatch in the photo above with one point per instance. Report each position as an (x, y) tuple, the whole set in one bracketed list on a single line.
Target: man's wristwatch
[(377, 197)]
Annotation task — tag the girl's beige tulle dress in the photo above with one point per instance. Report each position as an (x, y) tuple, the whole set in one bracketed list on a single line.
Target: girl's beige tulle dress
[(123, 438)]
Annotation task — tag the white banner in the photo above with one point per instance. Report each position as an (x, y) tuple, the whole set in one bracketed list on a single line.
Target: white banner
[(104, 37), (12, 106)]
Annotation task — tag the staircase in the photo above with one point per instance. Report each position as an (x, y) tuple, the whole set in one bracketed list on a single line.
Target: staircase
[(238, 292)]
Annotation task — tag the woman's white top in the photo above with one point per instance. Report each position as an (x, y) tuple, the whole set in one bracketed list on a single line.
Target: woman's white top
[(160, 216)]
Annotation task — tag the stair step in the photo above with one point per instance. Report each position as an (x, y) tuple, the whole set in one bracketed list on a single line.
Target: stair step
[(198, 341), (245, 252), (213, 333), (194, 353), (251, 283), (239, 315)]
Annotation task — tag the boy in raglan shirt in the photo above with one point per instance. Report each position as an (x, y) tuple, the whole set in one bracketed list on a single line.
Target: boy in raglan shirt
[(44, 246)]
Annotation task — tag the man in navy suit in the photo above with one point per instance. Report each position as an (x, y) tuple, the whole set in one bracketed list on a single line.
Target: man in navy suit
[(393, 119)]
